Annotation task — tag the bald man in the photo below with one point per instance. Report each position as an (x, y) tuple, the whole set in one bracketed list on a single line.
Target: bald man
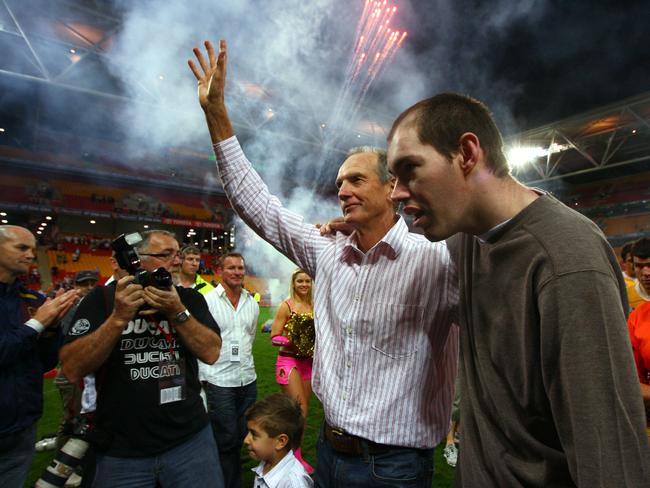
[(28, 347)]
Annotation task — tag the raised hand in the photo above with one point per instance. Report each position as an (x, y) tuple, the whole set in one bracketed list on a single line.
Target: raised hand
[(212, 75), (211, 78)]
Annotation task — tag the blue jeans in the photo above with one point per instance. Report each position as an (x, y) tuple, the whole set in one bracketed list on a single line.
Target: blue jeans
[(399, 467), (16, 451), (226, 407), (193, 463)]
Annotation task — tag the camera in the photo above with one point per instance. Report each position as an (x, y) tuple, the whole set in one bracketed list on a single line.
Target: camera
[(70, 455), (128, 259)]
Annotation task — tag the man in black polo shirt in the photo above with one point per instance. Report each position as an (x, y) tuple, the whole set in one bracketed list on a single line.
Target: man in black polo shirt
[(143, 345)]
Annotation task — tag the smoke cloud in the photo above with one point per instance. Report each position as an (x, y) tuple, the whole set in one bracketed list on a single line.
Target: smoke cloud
[(287, 61)]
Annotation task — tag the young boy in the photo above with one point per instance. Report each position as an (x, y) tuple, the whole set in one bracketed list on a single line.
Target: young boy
[(275, 427)]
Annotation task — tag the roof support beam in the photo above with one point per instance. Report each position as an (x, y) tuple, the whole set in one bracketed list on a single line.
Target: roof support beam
[(40, 64)]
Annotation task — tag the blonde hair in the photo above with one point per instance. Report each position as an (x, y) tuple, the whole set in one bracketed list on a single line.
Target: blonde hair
[(292, 288)]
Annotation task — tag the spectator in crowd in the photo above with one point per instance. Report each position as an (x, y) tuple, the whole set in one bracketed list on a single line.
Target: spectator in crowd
[(628, 263), (293, 370), (383, 305), (549, 396), (275, 427), (189, 271), (29, 341), (84, 282), (117, 271), (231, 383), (639, 328), (639, 292), (143, 344), (89, 395)]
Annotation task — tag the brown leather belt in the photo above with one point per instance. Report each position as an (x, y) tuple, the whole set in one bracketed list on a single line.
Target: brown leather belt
[(351, 444)]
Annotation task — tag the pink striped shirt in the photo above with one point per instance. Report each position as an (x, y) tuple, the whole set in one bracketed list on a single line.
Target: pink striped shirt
[(386, 351)]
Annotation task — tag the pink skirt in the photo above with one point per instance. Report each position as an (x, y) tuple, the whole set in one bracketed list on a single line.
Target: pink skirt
[(285, 364)]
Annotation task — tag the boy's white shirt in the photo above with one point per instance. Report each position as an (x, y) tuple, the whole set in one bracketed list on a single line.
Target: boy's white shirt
[(288, 473)]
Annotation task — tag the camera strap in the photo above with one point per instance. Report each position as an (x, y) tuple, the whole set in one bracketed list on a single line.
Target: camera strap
[(169, 336)]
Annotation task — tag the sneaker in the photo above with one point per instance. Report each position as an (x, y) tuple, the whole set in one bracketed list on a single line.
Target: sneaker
[(74, 481), (47, 444), (450, 453)]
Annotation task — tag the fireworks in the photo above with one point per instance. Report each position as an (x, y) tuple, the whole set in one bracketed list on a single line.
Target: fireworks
[(375, 45)]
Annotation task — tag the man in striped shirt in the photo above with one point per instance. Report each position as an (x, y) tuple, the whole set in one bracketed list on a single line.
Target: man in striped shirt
[(386, 349)]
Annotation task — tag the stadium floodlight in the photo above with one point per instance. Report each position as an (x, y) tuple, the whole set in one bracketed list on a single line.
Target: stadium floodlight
[(519, 156)]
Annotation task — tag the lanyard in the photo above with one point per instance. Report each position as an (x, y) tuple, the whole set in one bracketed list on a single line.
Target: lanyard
[(169, 336)]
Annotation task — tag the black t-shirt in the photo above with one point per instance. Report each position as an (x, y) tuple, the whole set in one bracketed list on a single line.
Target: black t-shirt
[(130, 420)]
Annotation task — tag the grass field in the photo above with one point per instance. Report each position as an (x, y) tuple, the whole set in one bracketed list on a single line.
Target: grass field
[(265, 355)]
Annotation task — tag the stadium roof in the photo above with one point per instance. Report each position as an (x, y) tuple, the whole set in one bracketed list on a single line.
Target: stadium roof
[(59, 46), (605, 138)]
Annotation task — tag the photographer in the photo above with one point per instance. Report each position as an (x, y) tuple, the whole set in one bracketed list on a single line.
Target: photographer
[(143, 343), (29, 342)]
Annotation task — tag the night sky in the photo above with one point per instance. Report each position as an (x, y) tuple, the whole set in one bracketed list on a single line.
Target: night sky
[(533, 62)]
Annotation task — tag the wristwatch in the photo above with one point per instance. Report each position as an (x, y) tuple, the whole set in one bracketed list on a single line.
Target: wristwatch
[(182, 316)]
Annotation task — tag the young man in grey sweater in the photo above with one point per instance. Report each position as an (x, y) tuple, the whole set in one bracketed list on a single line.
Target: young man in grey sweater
[(549, 390)]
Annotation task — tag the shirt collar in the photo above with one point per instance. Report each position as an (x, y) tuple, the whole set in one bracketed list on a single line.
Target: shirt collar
[(640, 291), (276, 475), (391, 244), (495, 232), (9, 288), (222, 291)]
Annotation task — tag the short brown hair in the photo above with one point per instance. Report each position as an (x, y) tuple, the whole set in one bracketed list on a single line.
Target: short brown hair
[(442, 119), (222, 259), (641, 248), (279, 414)]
